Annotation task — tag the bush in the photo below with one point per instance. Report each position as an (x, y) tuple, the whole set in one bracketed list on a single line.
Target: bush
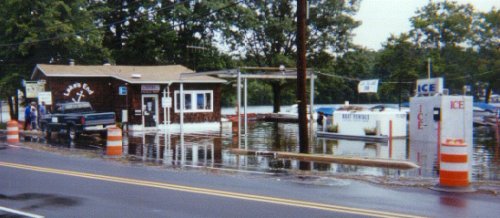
[(333, 128), (370, 131)]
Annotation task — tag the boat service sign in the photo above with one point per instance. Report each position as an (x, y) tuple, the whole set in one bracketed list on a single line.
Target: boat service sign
[(356, 117), (430, 86)]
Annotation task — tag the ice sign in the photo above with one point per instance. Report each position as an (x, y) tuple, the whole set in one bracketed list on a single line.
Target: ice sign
[(430, 86)]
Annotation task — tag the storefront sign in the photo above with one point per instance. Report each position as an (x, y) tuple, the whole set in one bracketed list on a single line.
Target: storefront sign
[(150, 88), (33, 88), (76, 91), (166, 102), (45, 97)]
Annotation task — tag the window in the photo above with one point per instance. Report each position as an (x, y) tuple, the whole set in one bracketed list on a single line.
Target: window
[(194, 101)]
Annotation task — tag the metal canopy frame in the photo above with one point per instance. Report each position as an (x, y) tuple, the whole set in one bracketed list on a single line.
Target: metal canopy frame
[(276, 74)]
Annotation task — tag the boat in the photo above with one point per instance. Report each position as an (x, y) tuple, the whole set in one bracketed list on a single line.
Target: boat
[(293, 113), (367, 123), (327, 111), (484, 114)]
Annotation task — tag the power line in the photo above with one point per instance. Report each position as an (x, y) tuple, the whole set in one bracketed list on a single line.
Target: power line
[(356, 79), (338, 76), (467, 76)]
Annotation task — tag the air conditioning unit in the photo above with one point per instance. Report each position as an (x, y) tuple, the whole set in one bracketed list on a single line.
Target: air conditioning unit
[(136, 76)]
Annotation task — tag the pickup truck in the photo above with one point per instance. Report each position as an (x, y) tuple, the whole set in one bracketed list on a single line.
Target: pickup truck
[(75, 118)]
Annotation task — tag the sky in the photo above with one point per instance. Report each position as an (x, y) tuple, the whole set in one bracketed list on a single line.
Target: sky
[(381, 18)]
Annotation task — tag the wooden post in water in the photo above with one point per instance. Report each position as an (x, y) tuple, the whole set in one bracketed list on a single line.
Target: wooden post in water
[(497, 128), (390, 138)]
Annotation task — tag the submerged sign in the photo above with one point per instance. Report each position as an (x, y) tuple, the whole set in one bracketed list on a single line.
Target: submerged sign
[(430, 86)]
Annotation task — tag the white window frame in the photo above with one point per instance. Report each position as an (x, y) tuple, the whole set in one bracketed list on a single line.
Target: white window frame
[(194, 105)]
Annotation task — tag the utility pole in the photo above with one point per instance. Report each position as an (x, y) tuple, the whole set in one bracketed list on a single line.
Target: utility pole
[(301, 75)]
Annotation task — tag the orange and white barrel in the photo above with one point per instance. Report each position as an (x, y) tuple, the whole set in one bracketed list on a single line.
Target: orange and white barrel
[(454, 164), (114, 142), (12, 132)]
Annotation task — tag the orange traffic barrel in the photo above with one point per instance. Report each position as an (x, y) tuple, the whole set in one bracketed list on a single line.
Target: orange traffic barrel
[(114, 141), (12, 132), (454, 166)]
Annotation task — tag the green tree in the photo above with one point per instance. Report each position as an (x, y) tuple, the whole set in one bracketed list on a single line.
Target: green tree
[(134, 33), (398, 66), (265, 33), (441, 24), (48, 31), (441, 30), (354, 65), (486, 39), (164, 32)]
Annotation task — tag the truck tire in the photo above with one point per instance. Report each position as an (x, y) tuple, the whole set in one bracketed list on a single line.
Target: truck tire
[(48, 133), (103, 134), (72, 133)]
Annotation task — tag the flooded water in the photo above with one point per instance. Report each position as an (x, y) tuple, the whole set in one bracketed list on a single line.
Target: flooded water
[(212, 149)]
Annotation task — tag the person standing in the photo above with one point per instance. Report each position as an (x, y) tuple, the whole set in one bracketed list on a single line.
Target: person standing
[(42, 111), (34, 116), (27, 117), (321, 119)]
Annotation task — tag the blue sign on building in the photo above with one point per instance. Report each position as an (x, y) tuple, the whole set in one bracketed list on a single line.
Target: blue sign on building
[(122, 90)]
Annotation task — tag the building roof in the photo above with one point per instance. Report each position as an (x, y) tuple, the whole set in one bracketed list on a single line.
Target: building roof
[(131, 74)]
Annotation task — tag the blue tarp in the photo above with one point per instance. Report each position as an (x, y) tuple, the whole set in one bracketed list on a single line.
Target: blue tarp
[(485, 106), (328, 111)]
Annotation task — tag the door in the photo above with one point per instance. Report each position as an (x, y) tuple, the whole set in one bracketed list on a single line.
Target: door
[(149, 111)]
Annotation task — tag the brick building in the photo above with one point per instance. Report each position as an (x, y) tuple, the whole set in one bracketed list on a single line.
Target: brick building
[(135, 93)]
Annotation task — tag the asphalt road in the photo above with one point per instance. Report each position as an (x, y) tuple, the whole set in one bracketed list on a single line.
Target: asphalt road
[(56, 185)]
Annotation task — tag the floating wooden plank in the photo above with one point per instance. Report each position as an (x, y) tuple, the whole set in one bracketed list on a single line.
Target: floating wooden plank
[(371, 162)]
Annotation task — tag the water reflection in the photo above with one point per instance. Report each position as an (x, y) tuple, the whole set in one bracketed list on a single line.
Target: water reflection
[(213, 149), (453, 201), (196, 150), (85, 142)]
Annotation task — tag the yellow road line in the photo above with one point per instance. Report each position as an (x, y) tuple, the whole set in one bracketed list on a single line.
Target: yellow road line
[(22, 213), (212, 192)]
